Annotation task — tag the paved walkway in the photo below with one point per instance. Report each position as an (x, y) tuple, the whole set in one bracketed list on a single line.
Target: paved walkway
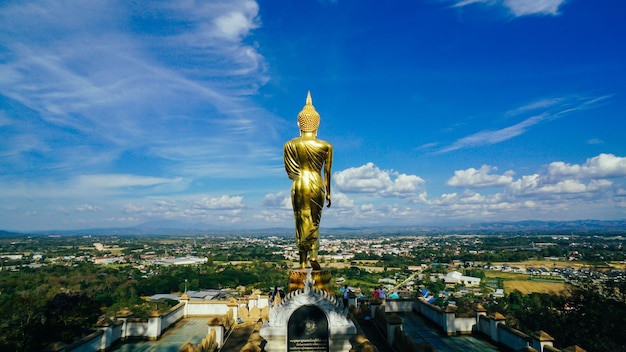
[(195, 329), (239, 337), (190, 330), (421, 330), (187, 330), (374, 336)]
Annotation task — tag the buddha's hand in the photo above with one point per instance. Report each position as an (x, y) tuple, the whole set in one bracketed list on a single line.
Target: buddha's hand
[(328, 201)]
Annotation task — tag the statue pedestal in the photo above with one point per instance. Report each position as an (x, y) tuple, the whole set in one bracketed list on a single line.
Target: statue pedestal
[(322, 278), (309, 318)]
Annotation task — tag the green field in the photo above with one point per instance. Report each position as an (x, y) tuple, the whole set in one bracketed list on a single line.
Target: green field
[(526, 283)]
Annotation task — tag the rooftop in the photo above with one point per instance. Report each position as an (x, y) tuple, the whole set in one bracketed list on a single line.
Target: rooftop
[(194, 329)]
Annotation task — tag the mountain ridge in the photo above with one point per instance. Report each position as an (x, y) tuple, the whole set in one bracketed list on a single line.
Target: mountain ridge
[(502, 227)]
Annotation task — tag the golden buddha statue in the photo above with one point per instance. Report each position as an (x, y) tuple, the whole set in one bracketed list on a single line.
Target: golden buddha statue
[(304, 158)]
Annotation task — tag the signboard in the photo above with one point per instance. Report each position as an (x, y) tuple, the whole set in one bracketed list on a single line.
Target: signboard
[(307, 330)]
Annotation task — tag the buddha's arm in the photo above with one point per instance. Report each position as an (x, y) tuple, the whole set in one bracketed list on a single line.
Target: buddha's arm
[(291, 163), (328, 164)]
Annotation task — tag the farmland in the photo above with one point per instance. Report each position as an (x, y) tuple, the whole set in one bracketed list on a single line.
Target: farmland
[(527, 284), (530, 286)]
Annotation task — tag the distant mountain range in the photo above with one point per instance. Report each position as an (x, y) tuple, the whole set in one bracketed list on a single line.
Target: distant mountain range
[(169, 228)]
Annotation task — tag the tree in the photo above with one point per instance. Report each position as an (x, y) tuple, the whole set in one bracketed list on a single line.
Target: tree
[(21, 320), (435, 286), (585, 316), (67, 316)]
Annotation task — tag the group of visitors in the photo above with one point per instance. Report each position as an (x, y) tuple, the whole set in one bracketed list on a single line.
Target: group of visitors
[(380, 293), (276, 296)]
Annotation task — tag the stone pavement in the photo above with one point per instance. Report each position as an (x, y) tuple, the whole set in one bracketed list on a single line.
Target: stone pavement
[(190, 330), (195, 329), (371, 332), (187, 330), (421, 330), (240, 336)]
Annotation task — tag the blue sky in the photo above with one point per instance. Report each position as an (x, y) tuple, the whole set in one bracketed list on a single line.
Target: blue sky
[(118, 113)]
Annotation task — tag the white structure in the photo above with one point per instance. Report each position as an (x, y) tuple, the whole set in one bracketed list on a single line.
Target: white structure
[(189, 260), (455, 277), (340, 328)]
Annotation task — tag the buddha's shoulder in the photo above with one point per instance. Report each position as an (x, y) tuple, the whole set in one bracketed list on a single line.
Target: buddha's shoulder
[(324, 143), (299, 140)]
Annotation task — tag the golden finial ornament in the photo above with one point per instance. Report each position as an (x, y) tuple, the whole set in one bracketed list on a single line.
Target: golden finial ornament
[(308, 118)]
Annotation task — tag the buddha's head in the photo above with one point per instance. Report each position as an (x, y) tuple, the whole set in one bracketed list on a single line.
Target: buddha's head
[(308, 118)]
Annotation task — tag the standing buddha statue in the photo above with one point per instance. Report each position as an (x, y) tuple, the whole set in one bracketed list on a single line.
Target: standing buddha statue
[(305, 157)]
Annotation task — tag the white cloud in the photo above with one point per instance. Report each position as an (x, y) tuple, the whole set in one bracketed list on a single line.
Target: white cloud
[(104, 181), (490, 137), (480, 178), (165, 206), (88, 207), (96, 185), (341, 200), (370, 179), (167, 203), (519, 7), (595, 141), (132, 209), (461, 3), (536, 105), (272, 216), (363, 179), (565, 194), (544, 110), (396, 211), (603, 165), (222, 202), (277, 200), (224, 208), (96, 86), (235, 25), (534, 7), (229, 218), (481, 207), (404, 185), (473, 198), (563, 190), (367, 208), (466, 197), (567, 183), (573, 186), (427, 146), (524, 183)]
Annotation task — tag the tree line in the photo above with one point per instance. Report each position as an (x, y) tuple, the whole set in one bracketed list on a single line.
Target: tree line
[(63, 303)]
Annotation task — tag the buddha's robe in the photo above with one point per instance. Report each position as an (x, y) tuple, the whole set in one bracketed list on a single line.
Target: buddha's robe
[(304, 160)]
